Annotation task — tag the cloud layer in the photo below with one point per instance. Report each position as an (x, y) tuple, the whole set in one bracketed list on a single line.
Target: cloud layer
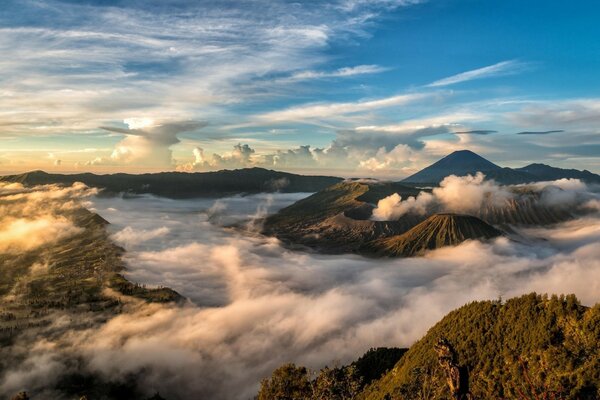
[(257, 305)]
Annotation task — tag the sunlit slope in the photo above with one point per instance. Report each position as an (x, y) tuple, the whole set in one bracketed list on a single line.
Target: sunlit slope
[(530, 347), (435, 232)]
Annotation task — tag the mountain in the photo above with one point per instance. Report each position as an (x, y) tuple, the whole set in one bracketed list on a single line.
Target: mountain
[(529, 347), (547, 173), (186, 185), (337, 219), (435, 232), (464, 162), (459, 163)]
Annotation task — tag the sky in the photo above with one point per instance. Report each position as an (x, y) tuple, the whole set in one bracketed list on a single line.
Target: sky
[(375, 88)]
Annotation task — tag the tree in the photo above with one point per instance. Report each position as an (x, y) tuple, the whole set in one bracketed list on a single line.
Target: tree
[(287, 382)]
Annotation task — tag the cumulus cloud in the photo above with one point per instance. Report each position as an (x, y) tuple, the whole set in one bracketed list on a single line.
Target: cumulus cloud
[(240, 157), (145, 144), (464, 194)]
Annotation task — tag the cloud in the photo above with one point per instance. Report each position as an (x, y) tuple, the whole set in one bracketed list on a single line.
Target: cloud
[(24, 234), (32, 217), (338, 73), (474, 195), (538, 132), (147, 147), (329, 110), (140, 59), (499, 69), (259, 304), (239, 157)]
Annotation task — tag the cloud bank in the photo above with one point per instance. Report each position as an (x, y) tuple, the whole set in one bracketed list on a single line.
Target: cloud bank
[(256, 304)]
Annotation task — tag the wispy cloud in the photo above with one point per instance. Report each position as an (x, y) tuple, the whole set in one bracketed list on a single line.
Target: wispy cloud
[(329, 110), (499, 69), (338, 73)]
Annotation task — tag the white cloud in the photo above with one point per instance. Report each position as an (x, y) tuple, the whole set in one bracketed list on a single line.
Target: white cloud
[(336, 110), (499, 69), (339, 73)]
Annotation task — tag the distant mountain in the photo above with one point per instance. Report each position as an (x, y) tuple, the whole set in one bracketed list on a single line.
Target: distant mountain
[(547, 173), (529, 347), (459, 163), (465, 162), (435, 232), (187, 185)]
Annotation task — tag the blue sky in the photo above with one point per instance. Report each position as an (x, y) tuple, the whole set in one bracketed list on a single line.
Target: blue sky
[(349, 87)]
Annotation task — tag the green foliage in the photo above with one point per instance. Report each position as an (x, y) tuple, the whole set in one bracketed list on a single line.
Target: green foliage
[(530, 347), (287, 382), (338, 383), (377, 361)]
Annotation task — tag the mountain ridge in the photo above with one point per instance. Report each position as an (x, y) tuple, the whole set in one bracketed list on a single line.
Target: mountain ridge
[(186, 184)]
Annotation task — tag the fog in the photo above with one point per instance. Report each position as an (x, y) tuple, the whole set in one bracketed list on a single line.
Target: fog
[(254, 304)]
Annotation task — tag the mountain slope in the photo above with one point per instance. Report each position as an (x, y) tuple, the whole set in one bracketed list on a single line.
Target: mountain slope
[(337, 219), (550, 342), (187, 185), (437, 231)]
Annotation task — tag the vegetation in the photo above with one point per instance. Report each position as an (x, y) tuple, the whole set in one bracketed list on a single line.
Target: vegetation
[(291, 382), (531, 347)]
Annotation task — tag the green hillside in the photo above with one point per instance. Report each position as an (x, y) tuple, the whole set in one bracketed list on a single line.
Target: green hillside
[(526, 348), (529, 347)]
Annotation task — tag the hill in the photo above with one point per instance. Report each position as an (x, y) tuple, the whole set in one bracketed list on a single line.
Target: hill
[(179, 185), (545, 172), (74, 275), (337, 219), (529, 347), (465, 162), (437, 231)]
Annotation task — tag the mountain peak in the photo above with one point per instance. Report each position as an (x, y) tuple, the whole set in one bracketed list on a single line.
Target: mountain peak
[(461, 162)]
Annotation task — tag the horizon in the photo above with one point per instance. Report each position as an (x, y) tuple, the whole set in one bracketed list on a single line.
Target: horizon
[(307, 173), (359, 88)]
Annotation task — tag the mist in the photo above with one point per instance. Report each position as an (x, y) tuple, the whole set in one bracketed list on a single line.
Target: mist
[(254, 304)]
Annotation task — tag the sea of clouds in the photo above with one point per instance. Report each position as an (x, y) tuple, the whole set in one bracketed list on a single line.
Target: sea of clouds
[(255, 304)]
